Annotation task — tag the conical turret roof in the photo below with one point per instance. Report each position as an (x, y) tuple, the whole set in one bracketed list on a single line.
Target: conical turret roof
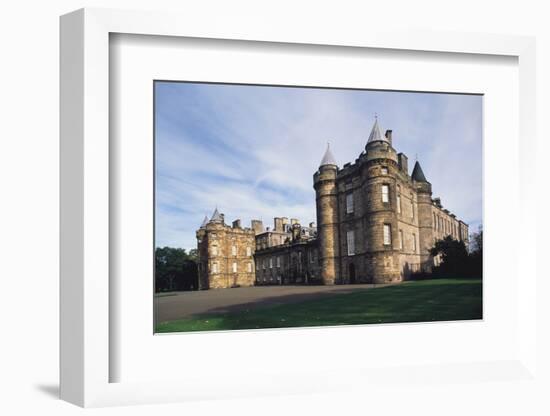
[(216, 216), (375, 133), (417, 174), (328, 158), (205, 221)]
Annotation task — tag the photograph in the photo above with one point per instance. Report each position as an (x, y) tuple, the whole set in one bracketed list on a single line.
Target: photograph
[(282, 206)]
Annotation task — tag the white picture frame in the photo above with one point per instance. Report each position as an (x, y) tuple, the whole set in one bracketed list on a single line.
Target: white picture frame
[(86, 218)]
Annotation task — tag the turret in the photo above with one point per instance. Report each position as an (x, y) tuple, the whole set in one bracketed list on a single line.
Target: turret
[(202, 254), (381, 188), (327, 217), (380, 146), (424, 206), (376, 135), (217, 217)]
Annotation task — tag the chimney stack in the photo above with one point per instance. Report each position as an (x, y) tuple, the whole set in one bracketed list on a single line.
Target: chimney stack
[(237, 224), (388, 135), (403, 162), (257, 226)]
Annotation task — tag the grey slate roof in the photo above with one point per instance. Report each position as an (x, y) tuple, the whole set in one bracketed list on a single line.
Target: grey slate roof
[(376, 135), (205, 221), (216, 217), (328, 158), (417, 174)]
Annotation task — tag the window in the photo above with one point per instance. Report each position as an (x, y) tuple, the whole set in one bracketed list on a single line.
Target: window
[(435, 222), (264, 263), (384, 170), (349, 203), (278, 261), (234, 267), (214, 267), (248, 251), (249, 267), (401, 239), (385, 193), (387, 234), (412, 207), (233, 250), (271, 262), (414, 243), (214, 251), (258, 266), (351, 242)]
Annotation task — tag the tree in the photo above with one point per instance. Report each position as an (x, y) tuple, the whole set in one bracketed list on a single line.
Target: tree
[(477, 241), (175, 269), (454, 257), (456, 261), (476, 253)]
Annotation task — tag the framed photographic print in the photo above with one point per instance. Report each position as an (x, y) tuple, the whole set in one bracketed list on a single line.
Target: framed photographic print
[(290, 212)]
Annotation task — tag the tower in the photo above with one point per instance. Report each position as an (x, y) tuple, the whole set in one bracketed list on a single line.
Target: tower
[(324, 181), (225, 253), (424, 204), (382, 187)]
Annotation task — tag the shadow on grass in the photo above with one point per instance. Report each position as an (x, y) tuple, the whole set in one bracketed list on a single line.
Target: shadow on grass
[(421, 301)]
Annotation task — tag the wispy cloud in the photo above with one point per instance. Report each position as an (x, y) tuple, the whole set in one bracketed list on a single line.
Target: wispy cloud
[(252, 151)]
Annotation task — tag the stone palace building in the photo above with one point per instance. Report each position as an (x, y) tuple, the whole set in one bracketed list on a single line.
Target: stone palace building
[(375, 224)]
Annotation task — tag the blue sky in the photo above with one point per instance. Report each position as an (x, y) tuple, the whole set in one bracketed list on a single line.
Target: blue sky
[(252, 150)]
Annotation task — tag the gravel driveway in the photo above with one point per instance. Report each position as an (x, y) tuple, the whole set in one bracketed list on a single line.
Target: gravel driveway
[(180, 305)]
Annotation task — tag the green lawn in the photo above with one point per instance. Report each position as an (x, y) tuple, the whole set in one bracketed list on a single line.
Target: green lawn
[(419, 301)]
